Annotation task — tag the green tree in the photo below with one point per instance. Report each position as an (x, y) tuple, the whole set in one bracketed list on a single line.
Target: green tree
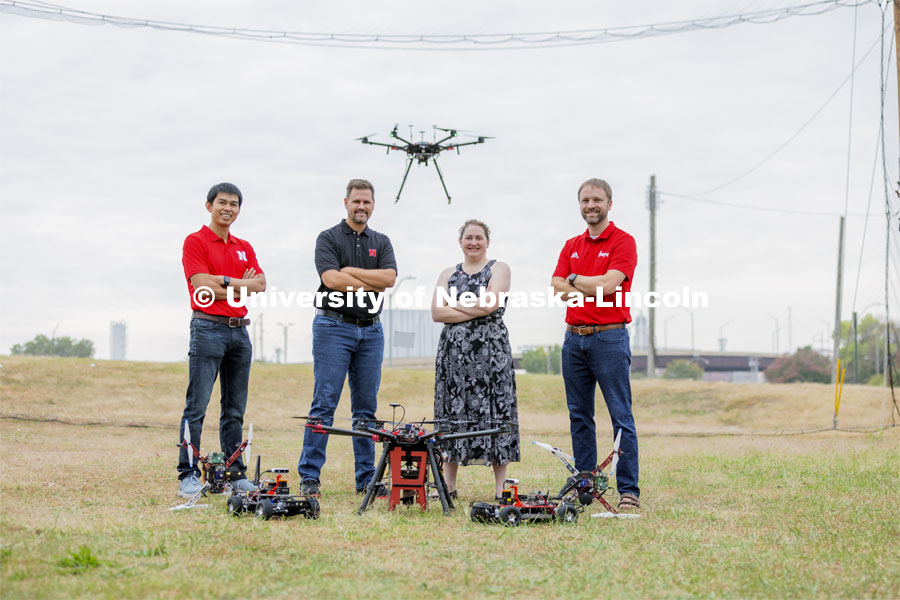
[(804, 365), (869, 348), (683, 369), (41, 345), (535, 360)]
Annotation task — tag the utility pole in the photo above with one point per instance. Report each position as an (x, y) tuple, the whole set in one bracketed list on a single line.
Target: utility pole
[(855, 351), (651, 320), (285, 327), (837, 303), (897, 42)]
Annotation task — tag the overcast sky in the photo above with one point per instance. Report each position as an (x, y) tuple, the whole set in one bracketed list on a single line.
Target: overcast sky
[(111, 136)]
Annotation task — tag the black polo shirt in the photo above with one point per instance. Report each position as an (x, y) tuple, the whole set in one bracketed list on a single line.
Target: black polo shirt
[(340, 246)]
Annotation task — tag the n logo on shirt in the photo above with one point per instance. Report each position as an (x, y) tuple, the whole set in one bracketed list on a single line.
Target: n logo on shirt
[(372, 252), (242, 255)]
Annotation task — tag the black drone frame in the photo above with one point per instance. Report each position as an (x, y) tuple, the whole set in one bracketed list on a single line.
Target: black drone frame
[(410, 437), (423, 152)]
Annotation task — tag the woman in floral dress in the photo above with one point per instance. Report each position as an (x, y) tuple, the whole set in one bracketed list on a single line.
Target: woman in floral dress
[(474, 380)]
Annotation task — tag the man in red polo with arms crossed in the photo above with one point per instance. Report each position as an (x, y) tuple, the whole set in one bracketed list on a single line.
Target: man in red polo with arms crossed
[(215, 260), (596, 348)]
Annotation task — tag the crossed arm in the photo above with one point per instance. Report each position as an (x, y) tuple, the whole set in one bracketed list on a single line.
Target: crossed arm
[(500, 281), (588, 285), (253, 281), (354, 278)]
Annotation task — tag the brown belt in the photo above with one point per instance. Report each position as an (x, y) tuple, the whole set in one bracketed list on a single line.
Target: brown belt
[(230, 321), (590, 329)]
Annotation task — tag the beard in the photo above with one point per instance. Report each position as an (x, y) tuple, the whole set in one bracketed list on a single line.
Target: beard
[(594, 217), (360, 218)]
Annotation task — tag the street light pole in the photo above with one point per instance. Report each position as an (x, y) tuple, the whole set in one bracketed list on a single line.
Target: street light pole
[(722, 340), (692, 328), (775, 335), (391, 321), (666, 330)]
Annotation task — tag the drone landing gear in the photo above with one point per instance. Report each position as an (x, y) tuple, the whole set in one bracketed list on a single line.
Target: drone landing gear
[(442, 179), (402, 183), (409, 472)]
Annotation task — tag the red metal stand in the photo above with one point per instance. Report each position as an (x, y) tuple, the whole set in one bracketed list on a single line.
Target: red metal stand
[(409, 471)]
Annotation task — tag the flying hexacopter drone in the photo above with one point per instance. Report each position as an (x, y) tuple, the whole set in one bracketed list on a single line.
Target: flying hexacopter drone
[(423, 151)]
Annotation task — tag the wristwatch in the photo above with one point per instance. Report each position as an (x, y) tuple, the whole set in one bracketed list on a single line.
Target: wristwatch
[(571, 278), (227, 281)]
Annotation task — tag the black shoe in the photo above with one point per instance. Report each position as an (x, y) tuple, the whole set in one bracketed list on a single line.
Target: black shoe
[(310, 488), (381, 490)]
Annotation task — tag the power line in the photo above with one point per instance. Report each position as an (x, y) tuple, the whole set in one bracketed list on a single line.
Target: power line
[(431, 42), (786, 211), (883, 76), (796, 133)]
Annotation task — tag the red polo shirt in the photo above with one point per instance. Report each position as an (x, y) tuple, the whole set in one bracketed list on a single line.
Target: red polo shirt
[(613, 249), (206, 252)]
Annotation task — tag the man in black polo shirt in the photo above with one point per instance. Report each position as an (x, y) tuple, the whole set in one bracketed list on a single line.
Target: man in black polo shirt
[(355, 265)]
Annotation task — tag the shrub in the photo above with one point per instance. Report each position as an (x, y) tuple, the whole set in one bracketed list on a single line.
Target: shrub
[(804, 365), (683, 369)]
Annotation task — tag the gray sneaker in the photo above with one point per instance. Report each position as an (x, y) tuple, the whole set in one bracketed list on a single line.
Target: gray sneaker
[(243, 485), (189, 486)]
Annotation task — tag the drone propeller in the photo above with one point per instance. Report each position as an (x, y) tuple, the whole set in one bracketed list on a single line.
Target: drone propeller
[(365, 138), (187, 444), (615, 460)]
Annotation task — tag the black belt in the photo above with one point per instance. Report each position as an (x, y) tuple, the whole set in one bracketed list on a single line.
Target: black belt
[(230, 321), (591, 329), (358, 321)]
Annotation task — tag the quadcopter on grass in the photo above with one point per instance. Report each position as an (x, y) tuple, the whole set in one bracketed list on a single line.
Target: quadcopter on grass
[(215, 467), (423, 151), (584, 487), (413, 453)]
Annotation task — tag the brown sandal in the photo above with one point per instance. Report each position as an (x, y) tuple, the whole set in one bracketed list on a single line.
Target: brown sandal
[(629, 503)]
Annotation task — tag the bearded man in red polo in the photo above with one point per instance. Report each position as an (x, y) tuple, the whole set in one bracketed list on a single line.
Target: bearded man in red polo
[(596, 348)]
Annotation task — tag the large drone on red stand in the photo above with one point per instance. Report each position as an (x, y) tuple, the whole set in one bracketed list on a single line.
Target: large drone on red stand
[(423, 151), (413, 453)]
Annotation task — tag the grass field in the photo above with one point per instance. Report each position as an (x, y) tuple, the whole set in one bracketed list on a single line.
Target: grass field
[(734, 504)]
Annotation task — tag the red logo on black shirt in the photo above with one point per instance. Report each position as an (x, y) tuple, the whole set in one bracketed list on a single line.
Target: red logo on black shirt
[(372, 252)]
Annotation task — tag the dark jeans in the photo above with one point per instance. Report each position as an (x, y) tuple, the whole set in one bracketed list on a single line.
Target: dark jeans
[(603, 358), (341, 349), (216, 348)]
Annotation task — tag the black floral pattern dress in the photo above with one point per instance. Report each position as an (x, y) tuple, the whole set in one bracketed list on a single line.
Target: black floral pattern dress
[(474, 380)]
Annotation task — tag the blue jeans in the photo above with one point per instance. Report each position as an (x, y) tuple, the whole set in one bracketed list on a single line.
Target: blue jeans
[(216, 347), (341, 349), (603, 358)]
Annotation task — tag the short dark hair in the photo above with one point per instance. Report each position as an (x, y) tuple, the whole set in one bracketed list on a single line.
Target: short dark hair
[(360, 184), (476, 222), (599, 184), (224, 188)]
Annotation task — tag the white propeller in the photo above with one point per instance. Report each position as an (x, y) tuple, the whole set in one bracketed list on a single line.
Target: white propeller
[(187, 443), (553, 449), (615, 460)]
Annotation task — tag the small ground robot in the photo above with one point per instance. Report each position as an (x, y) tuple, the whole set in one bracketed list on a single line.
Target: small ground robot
[(512, 509), (272, 499)]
